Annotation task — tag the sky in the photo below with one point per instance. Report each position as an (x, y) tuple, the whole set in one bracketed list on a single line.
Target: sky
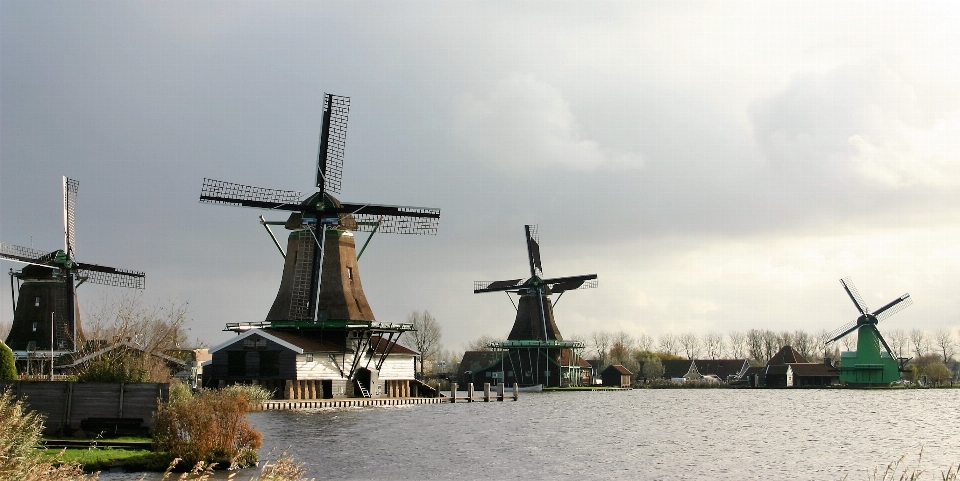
[(719, 165)]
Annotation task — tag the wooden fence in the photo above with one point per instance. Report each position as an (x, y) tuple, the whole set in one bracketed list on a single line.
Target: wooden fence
[(67, 404)]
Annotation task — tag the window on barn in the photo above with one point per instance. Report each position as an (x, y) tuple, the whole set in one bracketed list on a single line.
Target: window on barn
[(236, 363), (270, 363)]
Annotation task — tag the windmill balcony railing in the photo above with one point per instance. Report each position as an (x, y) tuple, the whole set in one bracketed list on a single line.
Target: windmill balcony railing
[(541, 344)]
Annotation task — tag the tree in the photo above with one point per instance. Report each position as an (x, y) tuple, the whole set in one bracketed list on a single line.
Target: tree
[(945, 345), (738, 344), (713, 343), (689, 344), (644, 342), (755, 345), (897, 339), (481, 343), (652, 368), (426, 337), (919, 342), (600, 342), (151, 329), (802, 343), (668, 343), (8, 369)]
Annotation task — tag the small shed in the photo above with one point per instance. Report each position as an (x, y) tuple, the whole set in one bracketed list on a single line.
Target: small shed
[(615, 375)]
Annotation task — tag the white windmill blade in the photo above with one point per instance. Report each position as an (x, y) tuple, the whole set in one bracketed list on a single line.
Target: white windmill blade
[(70, 189)]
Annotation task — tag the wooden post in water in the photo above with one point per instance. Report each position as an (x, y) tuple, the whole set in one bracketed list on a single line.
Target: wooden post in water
[(500, 391), (453, 392), (516, 391), (486, 392), (470, 393)]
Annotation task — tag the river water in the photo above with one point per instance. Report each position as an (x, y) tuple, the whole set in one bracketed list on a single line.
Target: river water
[(647, 434)]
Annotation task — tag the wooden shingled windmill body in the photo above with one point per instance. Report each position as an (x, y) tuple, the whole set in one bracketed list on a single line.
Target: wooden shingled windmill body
[(320, 292), (46, 315), (869, 364), (535, 352)]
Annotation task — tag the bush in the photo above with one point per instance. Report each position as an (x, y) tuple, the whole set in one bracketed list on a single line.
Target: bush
[(210, 427), (8, 370), (20, 459), (256, 395)]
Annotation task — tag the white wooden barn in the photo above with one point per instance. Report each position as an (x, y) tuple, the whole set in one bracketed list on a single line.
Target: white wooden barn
[(314, 364)]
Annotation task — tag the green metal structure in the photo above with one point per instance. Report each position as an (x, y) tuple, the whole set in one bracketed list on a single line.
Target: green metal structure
[(869, 364)]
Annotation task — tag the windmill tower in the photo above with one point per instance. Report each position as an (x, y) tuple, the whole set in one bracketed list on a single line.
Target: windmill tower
[(320, 289), (869, 364), (535, 352), (46, 318)]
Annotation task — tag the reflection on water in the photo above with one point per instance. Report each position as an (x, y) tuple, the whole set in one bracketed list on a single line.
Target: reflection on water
[(644, 434)]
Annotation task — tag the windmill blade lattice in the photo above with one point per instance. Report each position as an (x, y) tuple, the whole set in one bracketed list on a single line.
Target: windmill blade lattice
[(333, 141), (571, 283), (70, 190), (220, 192), (894, 307), (533, 250), (494, 286), (24, 254), (855, 295), (110, 276)]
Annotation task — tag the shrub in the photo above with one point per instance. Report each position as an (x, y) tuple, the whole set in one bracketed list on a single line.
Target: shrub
[(8, 370), (20, 459), (210, 426), (256, 395)]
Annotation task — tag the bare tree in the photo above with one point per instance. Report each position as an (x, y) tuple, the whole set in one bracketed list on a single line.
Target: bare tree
[(738, 344), (819, 344), (849, 341), (944, 342), (755, 345), (713, 343), (802, 343), (898, 341), (128, 320), (600, 342), (785, 338), (645, 342), (771, 344), (668, 343), (426, 337), (481, 343), (919, 342), (690, 344)]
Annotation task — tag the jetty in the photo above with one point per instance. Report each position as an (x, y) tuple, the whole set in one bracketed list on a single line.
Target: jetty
[(489, 394)]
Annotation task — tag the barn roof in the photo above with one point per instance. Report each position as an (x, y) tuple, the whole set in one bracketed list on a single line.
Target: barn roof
[(723, 368), (618, 368), (787, 355), (676, 367)]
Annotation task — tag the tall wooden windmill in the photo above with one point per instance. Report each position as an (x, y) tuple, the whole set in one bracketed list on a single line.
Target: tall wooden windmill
[(869, 364), (320, 287), (534, 348), (47, 315)]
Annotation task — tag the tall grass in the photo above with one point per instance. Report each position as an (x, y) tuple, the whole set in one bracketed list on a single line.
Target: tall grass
[(20, 458)]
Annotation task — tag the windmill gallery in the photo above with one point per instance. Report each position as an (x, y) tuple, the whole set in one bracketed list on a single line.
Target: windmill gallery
[(320, 338)]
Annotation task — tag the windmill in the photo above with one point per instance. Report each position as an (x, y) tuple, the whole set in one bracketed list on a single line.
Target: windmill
[(868, 364), (320, 286), (534, 343), (47, 316)]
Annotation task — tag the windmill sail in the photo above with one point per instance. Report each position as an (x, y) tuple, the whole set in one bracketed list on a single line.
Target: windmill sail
[(333, 140)]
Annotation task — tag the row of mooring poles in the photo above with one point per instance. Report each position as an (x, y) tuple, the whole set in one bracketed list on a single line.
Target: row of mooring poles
[(488, 393)]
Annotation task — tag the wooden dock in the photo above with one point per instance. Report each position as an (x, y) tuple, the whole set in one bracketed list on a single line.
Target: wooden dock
[(495, 393)]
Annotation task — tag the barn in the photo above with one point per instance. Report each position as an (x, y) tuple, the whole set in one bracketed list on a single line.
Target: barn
[(314, 364)]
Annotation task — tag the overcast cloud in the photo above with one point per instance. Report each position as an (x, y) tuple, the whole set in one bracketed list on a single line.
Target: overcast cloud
[(719, 165)]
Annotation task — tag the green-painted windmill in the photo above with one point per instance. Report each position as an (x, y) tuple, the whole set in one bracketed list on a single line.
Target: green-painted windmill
[(869, 365), (46, 315)]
